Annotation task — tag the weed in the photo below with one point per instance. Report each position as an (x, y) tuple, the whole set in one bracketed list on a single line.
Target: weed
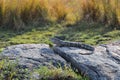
[(58, 74)]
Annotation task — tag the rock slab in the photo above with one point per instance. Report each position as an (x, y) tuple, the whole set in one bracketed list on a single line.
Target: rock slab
[(101, 64), (33, 55)]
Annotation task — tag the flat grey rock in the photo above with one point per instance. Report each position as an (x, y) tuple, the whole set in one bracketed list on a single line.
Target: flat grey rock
[(32, 55), (101, 64)]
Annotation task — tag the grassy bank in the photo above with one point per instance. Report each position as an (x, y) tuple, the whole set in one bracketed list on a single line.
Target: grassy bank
[(92, 33)]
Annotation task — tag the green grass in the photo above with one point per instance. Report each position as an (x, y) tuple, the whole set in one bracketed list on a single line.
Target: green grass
[(92, 33), (32, 35), (59, 73), (9, 70)]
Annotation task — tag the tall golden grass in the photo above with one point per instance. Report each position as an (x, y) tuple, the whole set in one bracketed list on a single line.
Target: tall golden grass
[(105, 11), (16, 14)]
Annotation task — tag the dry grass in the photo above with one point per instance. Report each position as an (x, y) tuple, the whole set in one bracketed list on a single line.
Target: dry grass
[(16, 14), (104, 11)]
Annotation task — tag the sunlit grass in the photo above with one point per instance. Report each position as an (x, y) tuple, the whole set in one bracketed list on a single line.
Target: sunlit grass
[(16, 14)]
